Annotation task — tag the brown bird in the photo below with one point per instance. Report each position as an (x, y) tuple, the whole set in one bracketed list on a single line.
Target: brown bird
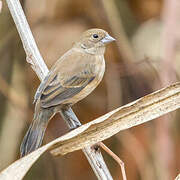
[(75, 75)]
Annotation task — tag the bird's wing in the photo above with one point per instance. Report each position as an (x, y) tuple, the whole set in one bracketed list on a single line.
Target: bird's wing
[(65, 82), (55, 94)]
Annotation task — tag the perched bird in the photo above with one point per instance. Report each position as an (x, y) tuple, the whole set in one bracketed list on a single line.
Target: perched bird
[(75, 75)]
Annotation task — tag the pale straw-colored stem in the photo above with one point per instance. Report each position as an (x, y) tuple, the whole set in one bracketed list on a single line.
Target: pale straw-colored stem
[(34, 57)]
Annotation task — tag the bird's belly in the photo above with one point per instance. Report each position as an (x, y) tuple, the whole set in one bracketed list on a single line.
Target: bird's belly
[(90, 87)]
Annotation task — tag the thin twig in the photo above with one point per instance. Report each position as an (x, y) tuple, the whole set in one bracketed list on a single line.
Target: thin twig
[(116, 158), (37, 63)]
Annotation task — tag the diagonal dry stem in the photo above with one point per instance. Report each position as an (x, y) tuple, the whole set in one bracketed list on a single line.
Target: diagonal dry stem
[(145, 109)]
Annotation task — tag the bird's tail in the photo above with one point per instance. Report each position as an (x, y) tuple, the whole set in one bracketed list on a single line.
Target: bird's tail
[(34, 136)]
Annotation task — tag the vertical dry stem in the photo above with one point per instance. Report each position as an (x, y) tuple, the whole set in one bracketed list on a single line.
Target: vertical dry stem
[(38, 65)]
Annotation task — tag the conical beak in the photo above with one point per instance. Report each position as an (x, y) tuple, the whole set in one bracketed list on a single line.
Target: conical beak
[(107, 39)]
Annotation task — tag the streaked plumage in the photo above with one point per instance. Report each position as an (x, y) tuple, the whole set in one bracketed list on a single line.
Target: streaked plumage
[(75, 75)]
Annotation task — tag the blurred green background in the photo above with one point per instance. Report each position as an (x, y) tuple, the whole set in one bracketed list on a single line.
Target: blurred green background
[(144, 58)]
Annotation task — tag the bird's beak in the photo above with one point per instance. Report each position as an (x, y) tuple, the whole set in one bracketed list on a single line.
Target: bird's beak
[(107, 39)]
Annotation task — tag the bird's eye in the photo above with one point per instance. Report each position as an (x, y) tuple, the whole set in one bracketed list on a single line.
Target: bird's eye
[(95, 36)]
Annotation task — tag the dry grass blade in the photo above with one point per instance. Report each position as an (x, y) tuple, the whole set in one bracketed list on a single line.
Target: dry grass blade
[(133, 114), (145, 109)]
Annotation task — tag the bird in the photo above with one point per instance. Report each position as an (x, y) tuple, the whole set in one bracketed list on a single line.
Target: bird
[(74, 76)]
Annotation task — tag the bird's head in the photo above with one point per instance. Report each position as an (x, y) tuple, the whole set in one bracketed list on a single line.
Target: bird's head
[(94, 41)]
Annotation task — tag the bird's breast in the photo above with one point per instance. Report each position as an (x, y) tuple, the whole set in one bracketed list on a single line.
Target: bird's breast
[(99, 69)]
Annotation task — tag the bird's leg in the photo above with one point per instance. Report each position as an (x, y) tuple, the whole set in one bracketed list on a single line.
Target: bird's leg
[(70, 118)]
